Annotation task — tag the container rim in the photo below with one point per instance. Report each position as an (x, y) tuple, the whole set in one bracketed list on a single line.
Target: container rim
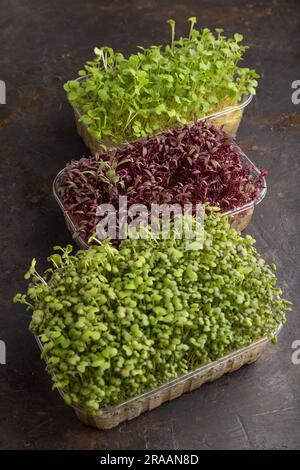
[(231, 212), (203, 368)]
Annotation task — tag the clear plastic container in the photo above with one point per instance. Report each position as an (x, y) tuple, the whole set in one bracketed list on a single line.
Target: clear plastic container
[(110, 417), (229, 117), (239, 218)]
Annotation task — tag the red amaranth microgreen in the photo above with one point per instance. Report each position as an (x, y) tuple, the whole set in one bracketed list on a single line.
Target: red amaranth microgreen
[(194, 164)]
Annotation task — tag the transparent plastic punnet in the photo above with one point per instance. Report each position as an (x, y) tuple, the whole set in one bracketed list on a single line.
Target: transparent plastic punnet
[(229, 117), (111, 417), (239, 217)]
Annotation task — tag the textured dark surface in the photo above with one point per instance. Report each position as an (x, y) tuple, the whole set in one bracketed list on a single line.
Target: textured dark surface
[(42, 45)]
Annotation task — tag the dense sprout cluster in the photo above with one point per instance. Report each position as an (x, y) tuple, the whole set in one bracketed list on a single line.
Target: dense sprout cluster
[(124, 99), (116, 323), (193, 164)]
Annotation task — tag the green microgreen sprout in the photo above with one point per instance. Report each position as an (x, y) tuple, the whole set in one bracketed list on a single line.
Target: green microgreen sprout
[(122, 99), (117, 323)]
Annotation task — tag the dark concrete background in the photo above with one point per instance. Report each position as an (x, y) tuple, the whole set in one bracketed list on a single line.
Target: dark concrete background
[(42, 44)]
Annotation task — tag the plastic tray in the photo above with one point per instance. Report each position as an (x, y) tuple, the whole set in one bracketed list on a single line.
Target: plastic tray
[(111, 417), (229, 117), (239, 218)]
